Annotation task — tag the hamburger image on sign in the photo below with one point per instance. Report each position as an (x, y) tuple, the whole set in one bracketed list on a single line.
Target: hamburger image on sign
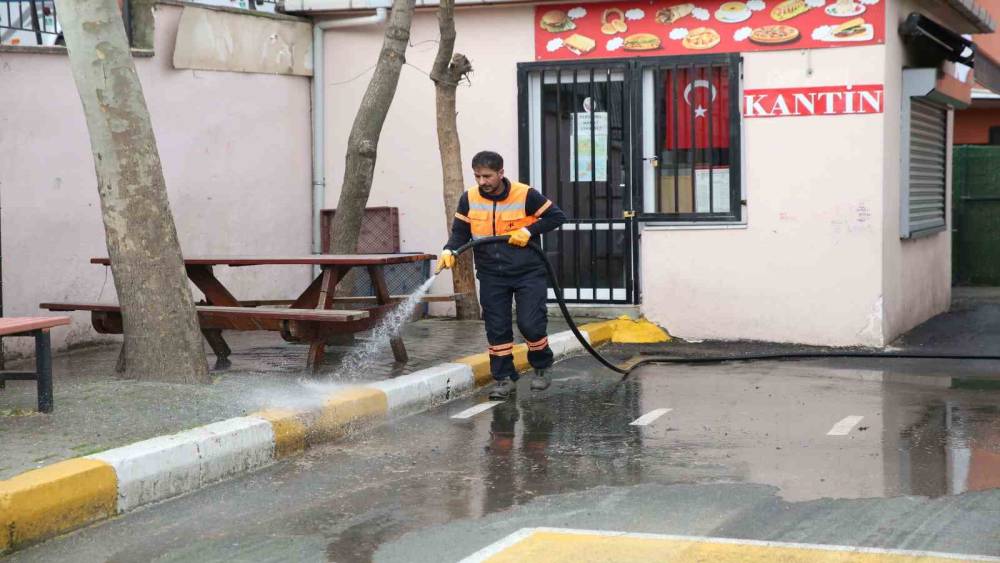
[(556, 21), (641, 42)]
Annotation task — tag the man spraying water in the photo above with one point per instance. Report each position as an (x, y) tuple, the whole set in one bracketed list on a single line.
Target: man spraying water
[(498, 206)]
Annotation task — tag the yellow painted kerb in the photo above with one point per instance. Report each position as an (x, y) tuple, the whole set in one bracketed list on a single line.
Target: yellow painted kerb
[(599, 333), (55, 499), (625, 330), (554, 546), (480, 364), (289, 431), (350, 406)]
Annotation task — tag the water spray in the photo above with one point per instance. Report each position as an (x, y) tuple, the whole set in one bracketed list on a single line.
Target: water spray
[(634, 364)]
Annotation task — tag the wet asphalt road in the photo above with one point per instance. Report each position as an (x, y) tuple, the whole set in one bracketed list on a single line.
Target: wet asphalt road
[(767, 451)]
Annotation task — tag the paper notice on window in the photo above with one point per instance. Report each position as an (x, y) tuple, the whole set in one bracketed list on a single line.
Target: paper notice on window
[(592, 161), (719, 180)]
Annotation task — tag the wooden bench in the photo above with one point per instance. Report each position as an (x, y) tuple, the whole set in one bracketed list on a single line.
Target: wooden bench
[(294, 324), (360, 300), (37, 327)]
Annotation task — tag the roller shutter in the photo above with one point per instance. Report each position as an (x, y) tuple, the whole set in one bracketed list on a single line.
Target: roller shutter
[(927, 167)]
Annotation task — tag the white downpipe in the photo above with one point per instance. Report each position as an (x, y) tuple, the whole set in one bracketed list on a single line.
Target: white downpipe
[(319, 114)]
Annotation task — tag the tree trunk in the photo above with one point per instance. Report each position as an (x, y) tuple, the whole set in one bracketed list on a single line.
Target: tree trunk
[(448, 71), (362, 144), (162, 337)]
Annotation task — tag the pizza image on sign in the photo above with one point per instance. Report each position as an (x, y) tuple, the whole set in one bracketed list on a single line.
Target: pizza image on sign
[(701, 39), (774, 34)]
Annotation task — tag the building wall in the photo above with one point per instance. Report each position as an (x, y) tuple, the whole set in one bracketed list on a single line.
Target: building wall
[(988, 44), (235, 152), (408, 170), (916, 273), (972, 126), (806, 267)]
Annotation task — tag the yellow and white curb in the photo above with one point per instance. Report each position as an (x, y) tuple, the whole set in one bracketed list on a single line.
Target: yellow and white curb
[(45, 502)]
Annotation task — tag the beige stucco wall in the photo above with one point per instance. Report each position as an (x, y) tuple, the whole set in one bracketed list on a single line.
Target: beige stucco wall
[(916, 273), (235, 151), (807, 267), (819, 260), (408, 170)]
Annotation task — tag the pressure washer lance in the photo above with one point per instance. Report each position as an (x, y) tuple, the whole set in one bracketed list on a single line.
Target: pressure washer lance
[(632, 365)]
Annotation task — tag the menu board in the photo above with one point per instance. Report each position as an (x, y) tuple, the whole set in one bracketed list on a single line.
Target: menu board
[(659, 28)]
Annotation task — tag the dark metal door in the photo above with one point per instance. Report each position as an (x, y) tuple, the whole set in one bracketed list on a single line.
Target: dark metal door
[(576, 131)]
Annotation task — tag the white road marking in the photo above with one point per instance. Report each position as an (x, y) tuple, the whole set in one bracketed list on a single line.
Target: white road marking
[(649, 417), (473, 411), (524, 533), (843, 428)]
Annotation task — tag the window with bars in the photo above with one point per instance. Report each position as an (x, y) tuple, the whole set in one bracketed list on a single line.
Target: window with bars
[(692, 140)]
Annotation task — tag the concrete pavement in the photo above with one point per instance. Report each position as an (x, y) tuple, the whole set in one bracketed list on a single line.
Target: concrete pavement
[(739, 451)]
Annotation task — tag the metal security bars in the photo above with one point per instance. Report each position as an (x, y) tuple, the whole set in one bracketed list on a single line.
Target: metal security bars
[(36, 22), (28, 22), (579, 120), (691, 139)]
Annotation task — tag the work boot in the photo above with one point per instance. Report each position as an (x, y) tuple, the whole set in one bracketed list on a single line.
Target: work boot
[(503, 390), (541, 381)]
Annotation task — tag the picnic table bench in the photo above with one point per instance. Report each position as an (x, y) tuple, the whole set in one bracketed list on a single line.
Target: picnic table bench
[(37, 327), (310, 318)]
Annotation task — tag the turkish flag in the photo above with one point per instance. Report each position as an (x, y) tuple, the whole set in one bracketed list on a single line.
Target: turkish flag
[(700, 97)]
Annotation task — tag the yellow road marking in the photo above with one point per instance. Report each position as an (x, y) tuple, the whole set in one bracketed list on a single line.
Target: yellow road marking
[(554, 545)]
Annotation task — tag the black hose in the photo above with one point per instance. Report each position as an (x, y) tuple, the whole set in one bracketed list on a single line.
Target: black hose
[(706, 360)]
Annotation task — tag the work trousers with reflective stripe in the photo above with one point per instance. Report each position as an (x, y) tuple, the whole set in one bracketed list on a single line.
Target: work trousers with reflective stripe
[(528, 292)]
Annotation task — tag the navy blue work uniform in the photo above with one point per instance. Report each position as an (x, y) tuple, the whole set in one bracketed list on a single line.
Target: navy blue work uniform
[(508, 273)]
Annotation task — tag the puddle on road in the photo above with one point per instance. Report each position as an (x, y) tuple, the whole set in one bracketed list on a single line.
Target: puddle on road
[(925, 440)]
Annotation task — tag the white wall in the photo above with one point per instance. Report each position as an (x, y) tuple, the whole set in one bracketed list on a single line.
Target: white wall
[(807, 267), (235, 152), (408, 170), (917, 273)]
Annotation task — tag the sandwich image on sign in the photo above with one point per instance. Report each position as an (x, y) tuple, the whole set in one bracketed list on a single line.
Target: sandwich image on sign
[(674, 13), (789, 9), (856, 29), (641, 42), (556, 21), (850, 28), (579, 44)]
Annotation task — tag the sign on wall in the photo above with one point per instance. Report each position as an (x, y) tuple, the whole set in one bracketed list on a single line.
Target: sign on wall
[(823, 100), (658, 28)]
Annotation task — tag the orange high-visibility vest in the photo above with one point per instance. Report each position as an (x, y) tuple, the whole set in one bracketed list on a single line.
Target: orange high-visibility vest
[(491, 218)]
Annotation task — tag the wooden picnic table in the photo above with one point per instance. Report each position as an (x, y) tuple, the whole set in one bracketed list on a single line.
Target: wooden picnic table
[(309, 318), (37, 327)]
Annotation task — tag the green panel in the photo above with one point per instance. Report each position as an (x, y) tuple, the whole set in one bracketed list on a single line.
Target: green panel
[(976, 201)]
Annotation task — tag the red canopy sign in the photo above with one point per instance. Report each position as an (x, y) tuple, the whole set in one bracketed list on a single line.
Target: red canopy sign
[(658, 28), (824, 100)]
